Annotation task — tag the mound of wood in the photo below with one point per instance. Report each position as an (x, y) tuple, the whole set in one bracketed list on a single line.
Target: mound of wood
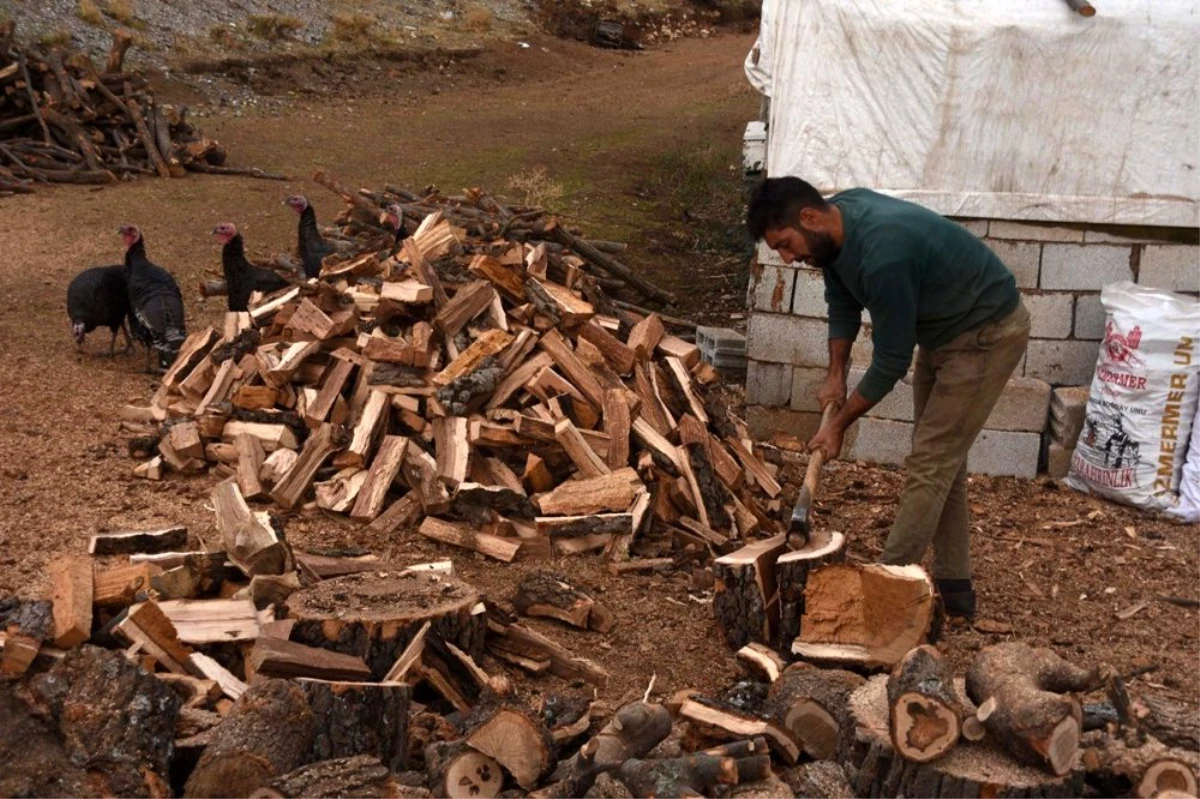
[(63, 120)]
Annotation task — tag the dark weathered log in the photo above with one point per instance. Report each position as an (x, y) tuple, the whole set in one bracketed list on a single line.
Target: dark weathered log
[(355, 718), (1115, 766), (1171, 722), (746, 598), (692, 775), (245, 172), (268, 733), (812, 704), (925, 708), (359, 777), (631, 733), (556, 232), (548, 594), (1034, 715), (822, 779)]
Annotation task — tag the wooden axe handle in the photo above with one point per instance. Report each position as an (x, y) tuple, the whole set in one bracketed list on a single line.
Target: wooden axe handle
[(812, 477)]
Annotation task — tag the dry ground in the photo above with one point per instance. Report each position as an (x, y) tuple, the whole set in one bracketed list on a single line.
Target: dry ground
[(604, 126)]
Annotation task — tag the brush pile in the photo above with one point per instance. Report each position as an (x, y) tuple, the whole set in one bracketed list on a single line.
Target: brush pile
[(64, 121)]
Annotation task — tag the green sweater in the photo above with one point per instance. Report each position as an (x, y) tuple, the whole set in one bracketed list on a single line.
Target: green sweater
[(924, 278)]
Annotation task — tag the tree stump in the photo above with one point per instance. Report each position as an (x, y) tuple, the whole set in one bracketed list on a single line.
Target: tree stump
[(267, 733), (875, 769), (459, 772), (745, 601), (36, 762), (358, 718), (114, 717), (1033, 717), (791, 575), (1148, 767), (361, 777), (812, 705), (375, 615), (925, 710), (820, 779)]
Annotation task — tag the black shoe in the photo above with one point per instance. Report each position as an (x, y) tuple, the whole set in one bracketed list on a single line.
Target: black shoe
[(958, 598)]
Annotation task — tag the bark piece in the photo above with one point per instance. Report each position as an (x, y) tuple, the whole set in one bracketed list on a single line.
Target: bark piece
[(925, 709), (1171, 722), (267, 733), (745, 599), (762, 661), (164, 540), (358, 777), (358, 718), (374, 616), (551, 595), (504, 638)]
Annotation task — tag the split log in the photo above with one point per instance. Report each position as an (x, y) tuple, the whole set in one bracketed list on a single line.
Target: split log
[(792, 570), (374, 616), (867, 616), (1149, 768), (925, 709), (518, 743), (466, 536), (122, 586), (761, 661), (358, 777), (145, 624), (73, 585), (319, 446), (729, 724), (1035, 717), (551, 595), (208, 621), (745, 598), (272, 657), (811, 705), (164, 540), (203, 666), (457, 771), (875, 769), (357, 718), (608, 492), (251, 542), (266, 734)]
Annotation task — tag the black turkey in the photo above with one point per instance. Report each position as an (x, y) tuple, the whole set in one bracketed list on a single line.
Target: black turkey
[(99, 297), (392, 217), (155, 302), (313, 247), (243, 278)]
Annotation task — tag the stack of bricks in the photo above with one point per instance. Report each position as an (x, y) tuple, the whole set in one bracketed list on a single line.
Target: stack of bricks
[(1060, 271), (724, 348), (1068, 408)]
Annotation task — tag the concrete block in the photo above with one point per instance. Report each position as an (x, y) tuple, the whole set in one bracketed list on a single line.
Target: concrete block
[(809, 296), (1170, 266), (771, 288), (768, 384), (797, 340), (1023, 259), (1061, 363), (1022, 406), (720, 341), (995, 452), (1049, 314), (764, 423), (1058, 459), (1089, 317), (1068, 408), (1080, 267), (1028, 231), (754, 146), (896, 405), (768, 256), (977, 226)]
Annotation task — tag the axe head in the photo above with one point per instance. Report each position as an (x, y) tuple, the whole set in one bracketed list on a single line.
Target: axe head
[(799, 527)]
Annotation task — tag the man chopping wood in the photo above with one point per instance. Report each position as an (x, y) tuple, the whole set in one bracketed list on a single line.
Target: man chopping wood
[(928, 284)]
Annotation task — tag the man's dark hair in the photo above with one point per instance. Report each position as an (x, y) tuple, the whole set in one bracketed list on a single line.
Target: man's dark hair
[(777, 203)]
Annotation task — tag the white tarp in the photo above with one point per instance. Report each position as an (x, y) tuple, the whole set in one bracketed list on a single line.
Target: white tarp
[(1019, 109)]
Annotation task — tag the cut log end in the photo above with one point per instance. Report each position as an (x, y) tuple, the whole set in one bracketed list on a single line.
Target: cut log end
[(1167, 778), (924, 728), (473, 775), (815, 728), (1062, 744)]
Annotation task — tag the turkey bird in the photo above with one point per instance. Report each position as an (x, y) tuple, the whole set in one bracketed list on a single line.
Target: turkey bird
[(99, 297), (243, 278), (155, 302), (313, 247), (392, 217)]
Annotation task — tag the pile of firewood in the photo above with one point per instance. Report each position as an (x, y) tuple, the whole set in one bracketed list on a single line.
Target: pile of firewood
[(63, 121), (474, 378)]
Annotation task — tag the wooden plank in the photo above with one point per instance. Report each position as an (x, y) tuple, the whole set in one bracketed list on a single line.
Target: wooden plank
[(617, 425), (124, 543), (383, 471), (210, 621), (466, 536), (489, 344), (574, 369), (585, 459), (272, 657), (73, 585)]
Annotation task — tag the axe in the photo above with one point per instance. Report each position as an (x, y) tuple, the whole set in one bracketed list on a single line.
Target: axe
[(801, 526)]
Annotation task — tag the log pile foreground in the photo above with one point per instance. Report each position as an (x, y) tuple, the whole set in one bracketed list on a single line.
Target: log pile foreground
[(64, 120)]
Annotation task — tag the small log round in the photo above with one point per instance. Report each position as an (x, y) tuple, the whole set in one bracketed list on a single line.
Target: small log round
[(267, 733), (459, 772), (925, 708), (875, 769), (375, 614), (812, 705)]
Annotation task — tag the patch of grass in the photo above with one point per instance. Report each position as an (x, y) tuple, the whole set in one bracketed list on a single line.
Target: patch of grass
[(274, 27), (701, 186), (54, 38), (90, 13), (225, 36), (535, 186), (478, 17), (353, 28)]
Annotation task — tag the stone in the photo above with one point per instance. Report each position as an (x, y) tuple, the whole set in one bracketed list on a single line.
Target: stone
[(1023, 259), (995, 452), (1089, 317), (1048, 231), (1049, 315), (768, 384), (1170, 266), (1058, 459), (771, 288), (1080, 267), (1061, 363)]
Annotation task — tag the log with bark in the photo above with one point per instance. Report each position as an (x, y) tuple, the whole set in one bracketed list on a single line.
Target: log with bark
[(552, 595), (1117, 765), (811, 704), (926, 712), (356, 718), (358, 777), (746, 598)]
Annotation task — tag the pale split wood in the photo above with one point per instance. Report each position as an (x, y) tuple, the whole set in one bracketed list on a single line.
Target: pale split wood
[(383, 471), (465, 536), (72, 580)]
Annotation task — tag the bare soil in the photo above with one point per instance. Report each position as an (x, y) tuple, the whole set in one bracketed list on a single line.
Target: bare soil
[(602, 124)]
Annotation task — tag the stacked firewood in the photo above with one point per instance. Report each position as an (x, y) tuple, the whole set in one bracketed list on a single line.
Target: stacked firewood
[(64, 121), (470, 378)]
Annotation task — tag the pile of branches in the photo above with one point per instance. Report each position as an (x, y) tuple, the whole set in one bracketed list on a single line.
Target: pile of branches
[(64, 121)]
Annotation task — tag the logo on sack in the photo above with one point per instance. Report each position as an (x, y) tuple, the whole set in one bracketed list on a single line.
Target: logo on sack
[(1106, 455), (1120, 364)]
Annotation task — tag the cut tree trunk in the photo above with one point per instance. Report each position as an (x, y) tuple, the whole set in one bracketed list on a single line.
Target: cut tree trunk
[(925, 709), (875, 769), (518, 743), (375, 615), (1148, 768), (356, 718), (359, 777), (266, 734), (746, 600), (1034, 717), (811, 704), (459, 772), (791, 576)]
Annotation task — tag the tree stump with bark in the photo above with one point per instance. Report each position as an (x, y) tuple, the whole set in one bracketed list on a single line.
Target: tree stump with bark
[(812, 704), (926, 712), (875, 769), (358, 718), (791, 576), (375, 615), (1033, 716), (267, 733)]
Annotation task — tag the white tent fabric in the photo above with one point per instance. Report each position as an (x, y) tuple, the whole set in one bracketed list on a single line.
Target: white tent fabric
[(1019, 109)]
